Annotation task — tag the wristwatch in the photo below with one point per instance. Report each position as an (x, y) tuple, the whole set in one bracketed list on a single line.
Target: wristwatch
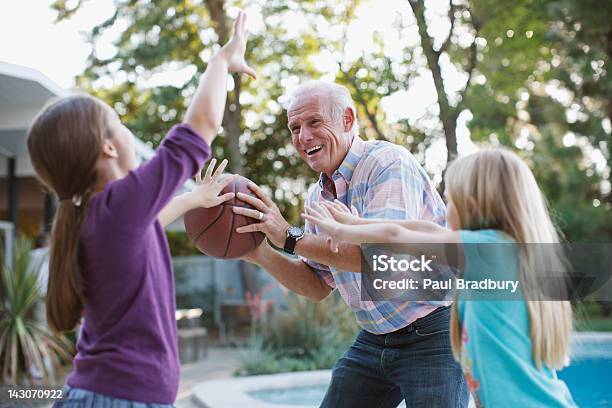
[(294, 234)]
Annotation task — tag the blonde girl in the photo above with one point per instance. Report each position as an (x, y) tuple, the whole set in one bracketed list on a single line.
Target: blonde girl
[(509, 350)]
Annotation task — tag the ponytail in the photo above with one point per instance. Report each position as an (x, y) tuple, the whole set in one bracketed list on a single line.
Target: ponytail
[(64, 143), (64, 299)]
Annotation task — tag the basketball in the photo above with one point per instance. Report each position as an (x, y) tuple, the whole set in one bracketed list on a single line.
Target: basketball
[(213, 230)]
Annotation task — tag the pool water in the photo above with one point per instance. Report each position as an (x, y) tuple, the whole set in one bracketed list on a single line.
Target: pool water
[(312, 395), (588, 378)]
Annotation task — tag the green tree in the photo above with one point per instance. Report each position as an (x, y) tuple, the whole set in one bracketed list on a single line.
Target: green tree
[(172, 34), (545, 96), (516, 58)]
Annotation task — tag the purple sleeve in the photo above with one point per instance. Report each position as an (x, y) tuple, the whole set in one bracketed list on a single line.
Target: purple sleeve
[(136, 200)]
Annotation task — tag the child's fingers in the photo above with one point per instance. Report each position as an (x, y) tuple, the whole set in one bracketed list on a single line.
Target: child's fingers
[(337, 210), (326, 212), (335, 206), (310, 211), (237, 23), (354, 211), (306, 213), (219, 170), (226, 180), (333, 245), (331, 206), (225, 197), (314, 219), (250, 72), (340, 205), (209, 169), (337, 203), (198, 177), (309, 218), (317, 209), (243, 21), (337, 215)]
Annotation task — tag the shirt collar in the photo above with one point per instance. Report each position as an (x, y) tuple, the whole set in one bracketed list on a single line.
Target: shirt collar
[(347, 167)]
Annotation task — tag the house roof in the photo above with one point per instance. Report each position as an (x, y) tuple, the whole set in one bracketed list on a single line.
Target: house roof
[(23, 92)]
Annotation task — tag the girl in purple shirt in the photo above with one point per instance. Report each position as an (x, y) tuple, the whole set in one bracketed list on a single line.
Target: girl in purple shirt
[(110, 263)]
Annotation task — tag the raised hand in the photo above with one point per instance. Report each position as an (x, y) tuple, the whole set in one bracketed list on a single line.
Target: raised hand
[(207, 189), (235, 48), (321, 217)]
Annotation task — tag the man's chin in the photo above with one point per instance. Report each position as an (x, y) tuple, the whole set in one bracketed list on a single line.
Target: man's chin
[(316, 167)]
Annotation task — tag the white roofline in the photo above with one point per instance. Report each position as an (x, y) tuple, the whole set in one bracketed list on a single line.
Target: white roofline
[(31, 74)]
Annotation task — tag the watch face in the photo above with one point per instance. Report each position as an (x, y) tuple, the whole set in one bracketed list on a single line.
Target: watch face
[(295, 232)]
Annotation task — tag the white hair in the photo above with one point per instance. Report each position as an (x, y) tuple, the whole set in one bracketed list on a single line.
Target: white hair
[(339, 96)]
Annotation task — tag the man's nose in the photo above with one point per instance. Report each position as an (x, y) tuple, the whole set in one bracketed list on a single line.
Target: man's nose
[(305, 135)]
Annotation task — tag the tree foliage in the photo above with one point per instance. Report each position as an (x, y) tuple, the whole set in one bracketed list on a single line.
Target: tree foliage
[(535, 78)]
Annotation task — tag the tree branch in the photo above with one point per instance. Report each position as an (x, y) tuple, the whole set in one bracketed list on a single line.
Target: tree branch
[(448, 116), (364, 104), (473, 55), (219, 19), (451, 16), (372, 119), (470, 68), (232, 118)]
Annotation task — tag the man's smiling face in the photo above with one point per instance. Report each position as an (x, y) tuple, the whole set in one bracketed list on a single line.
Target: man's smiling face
[(321, 140)]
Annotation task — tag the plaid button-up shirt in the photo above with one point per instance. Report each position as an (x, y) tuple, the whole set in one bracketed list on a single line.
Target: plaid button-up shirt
[(382, 180)]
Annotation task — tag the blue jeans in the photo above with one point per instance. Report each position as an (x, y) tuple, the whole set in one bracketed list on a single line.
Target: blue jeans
[(414, 363), (79, 398)]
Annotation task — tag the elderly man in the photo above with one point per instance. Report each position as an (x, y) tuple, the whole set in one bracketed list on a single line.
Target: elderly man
[(403, 349)]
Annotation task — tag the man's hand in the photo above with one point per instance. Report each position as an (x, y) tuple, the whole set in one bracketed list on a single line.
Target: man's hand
[(271, 222)]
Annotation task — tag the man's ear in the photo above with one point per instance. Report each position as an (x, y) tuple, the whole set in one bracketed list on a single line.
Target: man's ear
[(348, 119), (108, 149)]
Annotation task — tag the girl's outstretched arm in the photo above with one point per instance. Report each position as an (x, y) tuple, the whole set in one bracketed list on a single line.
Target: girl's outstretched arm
[(342, 214), (205, 112), (429, 243)]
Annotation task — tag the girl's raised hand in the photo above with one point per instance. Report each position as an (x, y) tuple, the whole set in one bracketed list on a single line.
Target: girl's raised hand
[(321, 217), (341, 213), (235, 48), (207, 189)]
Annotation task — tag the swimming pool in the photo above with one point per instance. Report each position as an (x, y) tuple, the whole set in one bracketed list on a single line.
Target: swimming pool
[(588, 378), (590, 372)]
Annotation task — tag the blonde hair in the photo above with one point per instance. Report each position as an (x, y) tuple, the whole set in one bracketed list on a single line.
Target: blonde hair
[(495, 189)]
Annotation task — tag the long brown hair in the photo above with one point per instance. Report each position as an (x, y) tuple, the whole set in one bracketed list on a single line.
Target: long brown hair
[(64, 143)]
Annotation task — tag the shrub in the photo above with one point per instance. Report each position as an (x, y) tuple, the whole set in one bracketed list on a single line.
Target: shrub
[(26, 346), (302, 336)]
